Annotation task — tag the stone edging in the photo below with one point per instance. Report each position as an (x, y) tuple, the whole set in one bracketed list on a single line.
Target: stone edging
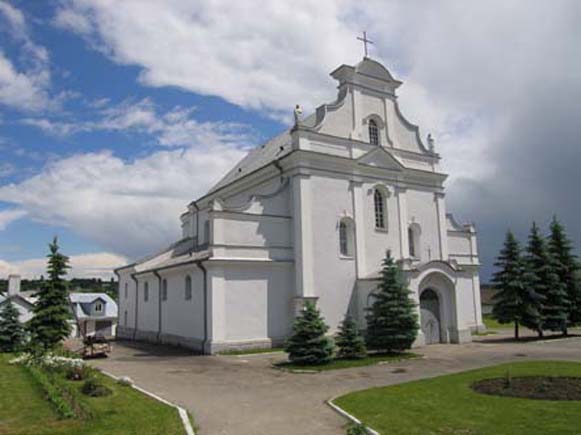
[(349, 417), (181, 411)]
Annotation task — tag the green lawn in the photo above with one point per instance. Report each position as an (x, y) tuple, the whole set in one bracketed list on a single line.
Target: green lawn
[(23, 410), (447, 405), (491, 323), (349, 363)]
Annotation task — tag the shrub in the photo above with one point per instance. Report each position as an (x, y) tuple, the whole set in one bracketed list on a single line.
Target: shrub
[(349, 341), (308, 343), (78, 373), (52, 392), (11, 330), (392, 321), (94, 387), (356, 429)]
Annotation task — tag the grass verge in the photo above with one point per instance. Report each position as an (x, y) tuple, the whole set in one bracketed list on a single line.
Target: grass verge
[(448, 405), (338, 363), (24, 409)]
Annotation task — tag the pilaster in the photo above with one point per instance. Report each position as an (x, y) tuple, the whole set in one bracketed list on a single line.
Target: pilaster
[(439, 198), (404, 246), (303, 235), (359, 216)]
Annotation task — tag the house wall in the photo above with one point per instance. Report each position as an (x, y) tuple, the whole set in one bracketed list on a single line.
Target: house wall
[(181, 317), (126, 304), (333, 275), (251, 304), (421, 210)]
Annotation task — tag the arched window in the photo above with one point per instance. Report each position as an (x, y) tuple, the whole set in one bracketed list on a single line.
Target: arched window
[(126, 290), (188, 292), (345, 238), (145, 291), (164, 290), (414, 233), (373, 132), (379, 206), (125, 317)]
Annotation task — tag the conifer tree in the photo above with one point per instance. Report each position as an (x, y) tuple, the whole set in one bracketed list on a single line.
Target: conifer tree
[(308, 343), (392, 320), (11, 331), (561, 249), (350, 342), (514, 301), (542, 278), (50, 324)]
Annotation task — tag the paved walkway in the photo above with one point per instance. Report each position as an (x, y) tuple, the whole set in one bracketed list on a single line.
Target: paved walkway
[(244, 396)]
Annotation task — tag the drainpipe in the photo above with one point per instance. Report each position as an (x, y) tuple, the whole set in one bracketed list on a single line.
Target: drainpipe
[(205, 274), (159, 282), (276, 164), (133, 277), (195, 204), (116, 272)]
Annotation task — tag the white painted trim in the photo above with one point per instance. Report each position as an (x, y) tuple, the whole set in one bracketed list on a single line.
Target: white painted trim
[(181, 411), (350, 417)]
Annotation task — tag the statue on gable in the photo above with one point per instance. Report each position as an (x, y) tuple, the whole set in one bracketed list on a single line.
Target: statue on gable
[(431, 141), (298, 114)]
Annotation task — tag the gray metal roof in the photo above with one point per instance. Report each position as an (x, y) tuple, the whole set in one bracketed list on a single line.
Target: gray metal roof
[(81, 301), (256, 159)]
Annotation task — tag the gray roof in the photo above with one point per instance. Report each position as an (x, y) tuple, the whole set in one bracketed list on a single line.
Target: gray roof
[(26, 299), (82, 301), (257, 158), (182, 251)]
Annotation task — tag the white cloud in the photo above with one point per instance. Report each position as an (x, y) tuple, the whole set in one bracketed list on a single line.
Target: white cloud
[(23, 87), (253, 53), (94, 265), (9, 216), (129, 208), (176, 127)]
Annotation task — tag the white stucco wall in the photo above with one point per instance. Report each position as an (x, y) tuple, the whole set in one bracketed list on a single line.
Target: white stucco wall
[(251, 301), (422, 210), (183, 317), (334, 275)]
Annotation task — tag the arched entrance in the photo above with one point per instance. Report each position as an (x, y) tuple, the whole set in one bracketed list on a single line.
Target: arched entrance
[(430, 316)]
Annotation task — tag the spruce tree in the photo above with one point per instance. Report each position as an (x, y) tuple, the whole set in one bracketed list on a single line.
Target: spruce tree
[(11, 330), (50, 324), (308, 343), (392, 320), (561, 249), (349, 341), (514, 302), (542, 278)]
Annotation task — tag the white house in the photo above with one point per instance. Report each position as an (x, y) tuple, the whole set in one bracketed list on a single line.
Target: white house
[(93, 314), (309, 216), (23, 302)]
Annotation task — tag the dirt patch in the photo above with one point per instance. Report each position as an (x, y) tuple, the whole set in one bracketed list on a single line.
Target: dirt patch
[(532, 387)]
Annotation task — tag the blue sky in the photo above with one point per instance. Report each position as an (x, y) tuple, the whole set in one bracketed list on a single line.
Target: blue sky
[(114, 115)]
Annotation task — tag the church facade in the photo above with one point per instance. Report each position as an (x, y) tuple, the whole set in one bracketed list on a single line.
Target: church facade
[(309, 216)]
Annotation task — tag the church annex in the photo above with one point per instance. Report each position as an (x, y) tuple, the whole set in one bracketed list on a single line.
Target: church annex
[(309, 216)]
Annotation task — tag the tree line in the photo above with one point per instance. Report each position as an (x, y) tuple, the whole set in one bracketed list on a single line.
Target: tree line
[(538, 287)]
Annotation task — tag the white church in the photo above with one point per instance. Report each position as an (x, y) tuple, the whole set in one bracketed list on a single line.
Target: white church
[(309, 216)]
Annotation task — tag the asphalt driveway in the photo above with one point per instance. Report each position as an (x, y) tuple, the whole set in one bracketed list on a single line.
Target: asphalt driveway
[(245, 396)]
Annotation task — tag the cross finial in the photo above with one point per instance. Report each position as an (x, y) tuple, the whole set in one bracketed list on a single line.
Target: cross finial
[(365, 41)]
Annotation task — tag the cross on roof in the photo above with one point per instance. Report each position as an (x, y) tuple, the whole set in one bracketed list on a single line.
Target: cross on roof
[(365, 41)]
